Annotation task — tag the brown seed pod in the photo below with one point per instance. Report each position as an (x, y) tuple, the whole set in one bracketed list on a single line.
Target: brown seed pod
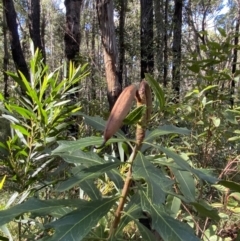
[(143, 97), (119, 112)]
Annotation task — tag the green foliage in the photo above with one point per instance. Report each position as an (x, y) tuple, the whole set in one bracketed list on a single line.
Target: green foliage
[(176, 173), (37, 119), (165, 178)]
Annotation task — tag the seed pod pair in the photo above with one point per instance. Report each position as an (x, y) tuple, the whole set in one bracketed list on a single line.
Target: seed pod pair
[(119, 111)]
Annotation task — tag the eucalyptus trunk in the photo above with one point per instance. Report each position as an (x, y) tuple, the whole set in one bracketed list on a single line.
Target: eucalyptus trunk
[(158, 9), (122, 14), (34, 25), (165, 40), (16, 49), (235, 56), (108, 36), (147, 56), (6, 56), (177, 50), (72, 35)]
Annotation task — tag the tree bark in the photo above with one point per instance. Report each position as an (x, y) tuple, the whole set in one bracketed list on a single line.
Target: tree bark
[(165, 40), (6, 57), (17, 53), (122, 13), (235, 55), (147, 57), (72, 35), (93, 55), (177, 51), (34, 25), (158, 9), (106, 24)]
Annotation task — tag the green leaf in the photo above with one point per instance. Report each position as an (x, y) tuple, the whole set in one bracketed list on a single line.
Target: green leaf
[(134, 116), (98, 123), (231, 185), (185, 166), (78, 223), (206, 211), (71, 146), (216, 121), (222, 32), (156, 89), (173, 205), (34, 205), (22, 129), (158, 184), (84, 174), (147, 235), (194, 68), (230, 116), (81, 157), (165, 130), (28, 114), (235, 195), (185, 182), (169, 228), (89, 187), (208, 88)]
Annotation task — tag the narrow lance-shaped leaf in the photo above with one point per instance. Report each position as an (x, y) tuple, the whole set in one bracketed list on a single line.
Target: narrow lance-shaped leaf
[(34, 205), (77, 224), (157, 90), (169, 228)]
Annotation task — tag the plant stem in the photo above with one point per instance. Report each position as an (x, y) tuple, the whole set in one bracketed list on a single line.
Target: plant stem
[(123, 197)]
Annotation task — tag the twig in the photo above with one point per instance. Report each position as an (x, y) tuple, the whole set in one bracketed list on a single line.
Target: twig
[(123, 198)]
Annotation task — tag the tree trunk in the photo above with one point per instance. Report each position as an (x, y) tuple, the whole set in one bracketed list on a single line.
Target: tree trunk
[(43, 29), (72, 35), (177, 39), (93, 55), (34, 25), (158, 9), (165, 40), (122, 13), (147, 57), (106, 24), (235, 56), (17, 53), (6, 57)]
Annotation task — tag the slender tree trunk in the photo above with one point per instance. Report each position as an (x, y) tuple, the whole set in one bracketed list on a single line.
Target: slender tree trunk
[(235, 56), (72, 35), (106, 24), (42, 29), (123, 6), (34, 25), (17, 53), (6, 57), (165, 40), (158, 9), (196, 34), (93, 55), (177, 51), (147, 57)]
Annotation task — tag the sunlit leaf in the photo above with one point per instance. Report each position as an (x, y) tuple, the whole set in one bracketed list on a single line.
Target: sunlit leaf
[(134, 116), (2, 182)]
